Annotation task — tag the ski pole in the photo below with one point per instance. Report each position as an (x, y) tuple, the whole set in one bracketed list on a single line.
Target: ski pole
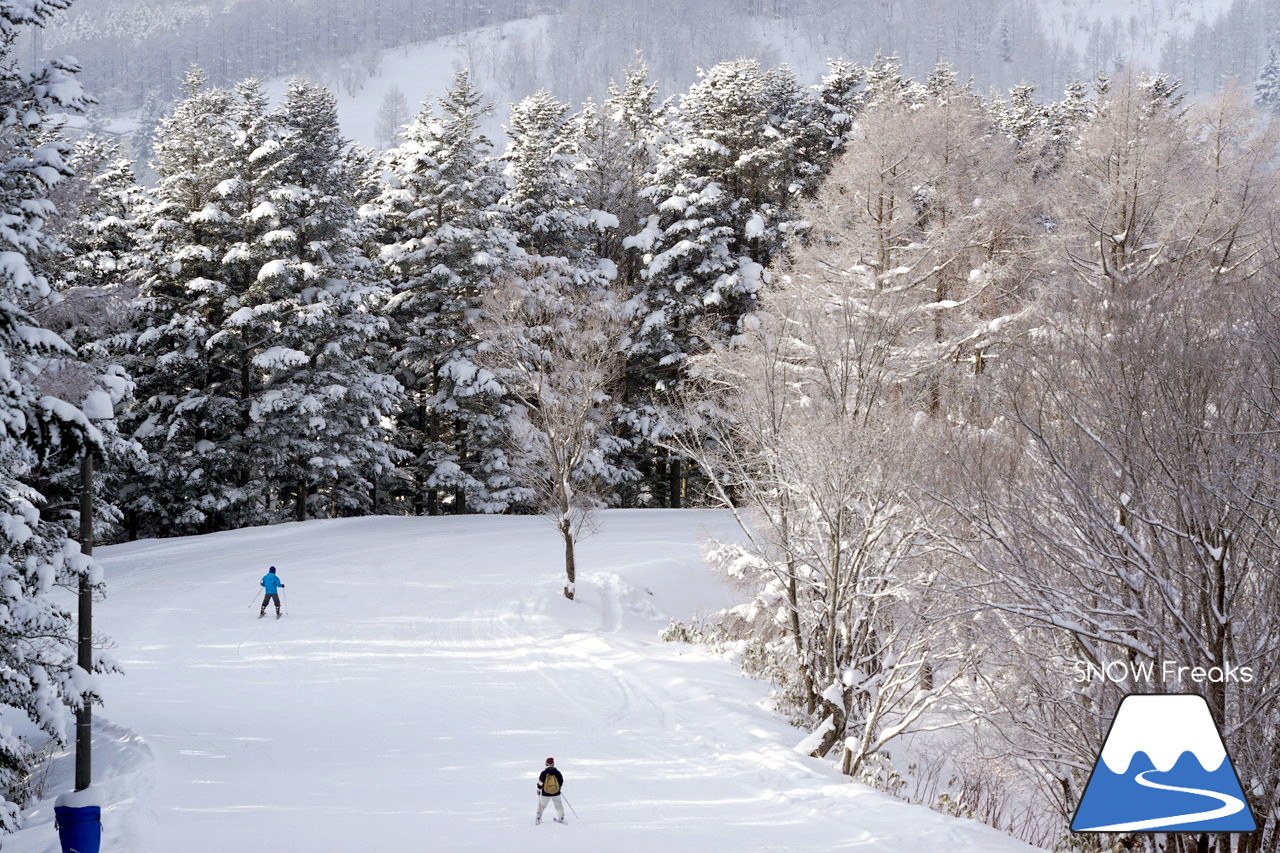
[(570, 805), (255, 600)]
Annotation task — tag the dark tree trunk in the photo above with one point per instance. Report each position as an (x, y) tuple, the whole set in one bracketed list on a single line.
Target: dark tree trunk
[(428, 428), (570, 567), (460, 447), (646, 476), (300, 503), (810, 696), (662, 485), (837, 729), (676, 489)]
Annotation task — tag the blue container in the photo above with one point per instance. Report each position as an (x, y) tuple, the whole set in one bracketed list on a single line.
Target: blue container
[(79, 829)]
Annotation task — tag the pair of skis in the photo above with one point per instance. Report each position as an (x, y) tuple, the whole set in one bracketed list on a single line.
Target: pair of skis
[(263, 615), (538, 820)]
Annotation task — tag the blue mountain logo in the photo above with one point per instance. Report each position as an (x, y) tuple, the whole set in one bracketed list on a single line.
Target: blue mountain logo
[(1163, 768)]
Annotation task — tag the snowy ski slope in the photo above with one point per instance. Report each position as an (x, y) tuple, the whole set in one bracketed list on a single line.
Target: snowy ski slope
[(425, 669)]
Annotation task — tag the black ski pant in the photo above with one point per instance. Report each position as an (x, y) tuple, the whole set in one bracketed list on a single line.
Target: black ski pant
[(271, 597)]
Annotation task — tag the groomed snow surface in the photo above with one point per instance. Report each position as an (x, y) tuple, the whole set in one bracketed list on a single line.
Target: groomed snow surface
[(424, 670)]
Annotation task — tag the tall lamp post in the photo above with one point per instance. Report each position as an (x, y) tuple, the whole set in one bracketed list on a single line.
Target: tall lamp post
[(79, 816), (84, 656)]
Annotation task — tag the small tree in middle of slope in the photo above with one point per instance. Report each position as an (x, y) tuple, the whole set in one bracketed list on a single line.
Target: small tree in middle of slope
[(556, 347)]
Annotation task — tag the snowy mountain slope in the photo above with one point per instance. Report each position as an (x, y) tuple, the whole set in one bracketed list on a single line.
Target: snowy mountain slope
[(1141, 26), (425, 669), (135, 52), (422, 72), (512, 60)]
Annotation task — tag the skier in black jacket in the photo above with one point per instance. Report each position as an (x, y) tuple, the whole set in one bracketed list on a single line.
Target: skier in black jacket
[(550, 784)]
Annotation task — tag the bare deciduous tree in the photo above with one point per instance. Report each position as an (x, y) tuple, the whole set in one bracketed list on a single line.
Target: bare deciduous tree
[(556, 349), (1122, 505)]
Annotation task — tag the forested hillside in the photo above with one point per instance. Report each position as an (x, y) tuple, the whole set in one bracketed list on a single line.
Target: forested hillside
[(135, 51)]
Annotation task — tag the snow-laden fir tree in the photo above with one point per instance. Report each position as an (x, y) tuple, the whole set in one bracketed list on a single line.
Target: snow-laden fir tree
[(319, 417), (1063, 122), (886, 83), (92, 270), (544, 202), (97, 225), (721, 189), (193, 373), (1267, 88), (555, 274), (802, 145), (617, 145), (734, 163), (436, 234), (1021, 117), (259, 398), (842, 95), (38, 672)]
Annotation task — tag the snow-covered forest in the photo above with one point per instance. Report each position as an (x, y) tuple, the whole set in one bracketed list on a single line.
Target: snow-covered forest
[(988, 379), (135, 51)]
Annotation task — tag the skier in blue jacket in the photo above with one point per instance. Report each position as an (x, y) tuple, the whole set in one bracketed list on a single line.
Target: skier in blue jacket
[(272, 585)]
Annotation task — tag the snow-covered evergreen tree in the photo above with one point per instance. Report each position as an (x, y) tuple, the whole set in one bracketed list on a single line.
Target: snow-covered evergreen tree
[(437, 236), (92, 269), (544, 201), (842, 96), (557, 263), (193, 379), (258, 386), (38, 672), (317, 421), (722, 189), (97, 224), (1063, 123), (740, 152), (1267, 88), (1021, 117), (616, 144), (886, 82)]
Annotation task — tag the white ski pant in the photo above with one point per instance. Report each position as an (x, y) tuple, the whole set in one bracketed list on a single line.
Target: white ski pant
[(542, 804)]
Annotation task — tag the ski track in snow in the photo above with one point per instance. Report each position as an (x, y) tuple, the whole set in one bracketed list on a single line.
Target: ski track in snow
[(424, 670), (1230, 805)]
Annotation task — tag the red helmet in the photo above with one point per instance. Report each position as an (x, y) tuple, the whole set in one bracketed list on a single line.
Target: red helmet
[(550, 761)]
